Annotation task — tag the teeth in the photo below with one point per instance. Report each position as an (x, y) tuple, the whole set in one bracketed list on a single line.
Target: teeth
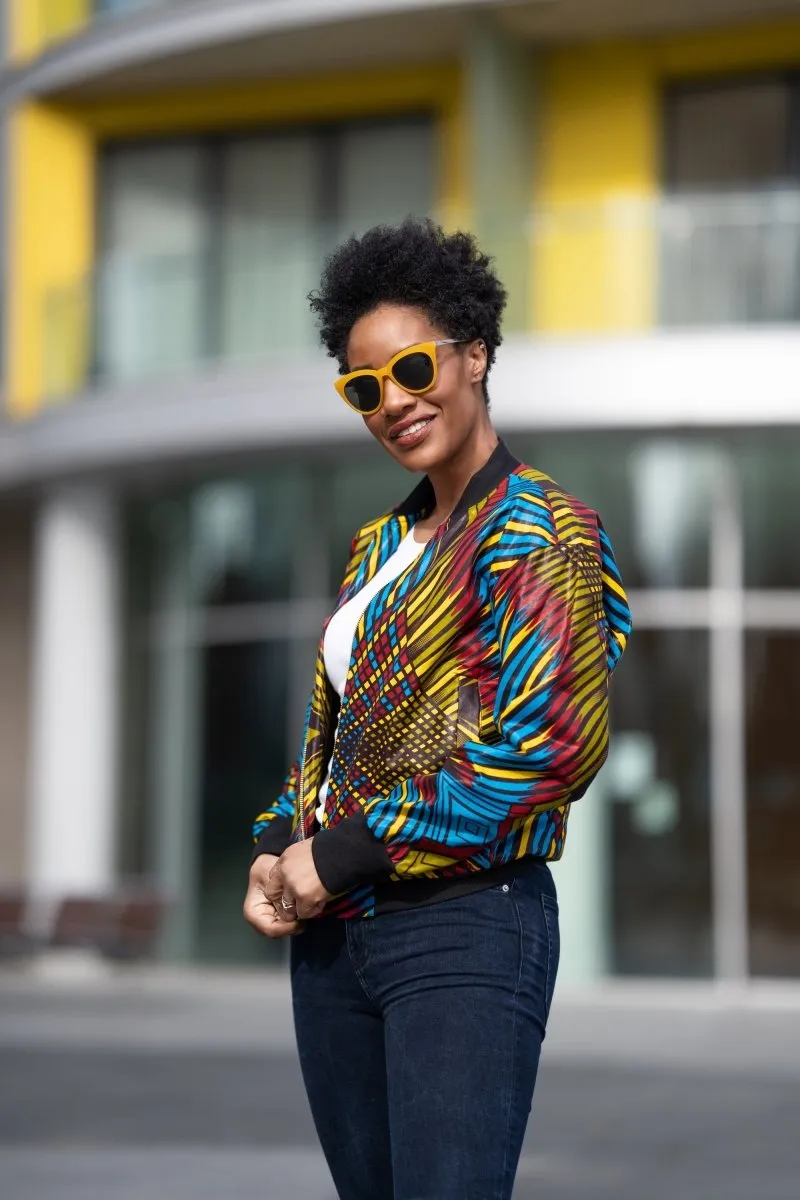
[(415, 428)]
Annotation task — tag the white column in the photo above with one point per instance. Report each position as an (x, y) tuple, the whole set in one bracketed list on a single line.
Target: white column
[(728, 732), (75, 694)]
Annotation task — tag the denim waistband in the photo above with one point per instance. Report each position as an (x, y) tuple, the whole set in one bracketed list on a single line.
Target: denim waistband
[(413, 893)]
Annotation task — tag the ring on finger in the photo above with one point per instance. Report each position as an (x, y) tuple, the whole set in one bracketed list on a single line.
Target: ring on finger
[(287, 905)]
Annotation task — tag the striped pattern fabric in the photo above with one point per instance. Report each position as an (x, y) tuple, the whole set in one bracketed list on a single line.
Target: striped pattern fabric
[(476, 706)]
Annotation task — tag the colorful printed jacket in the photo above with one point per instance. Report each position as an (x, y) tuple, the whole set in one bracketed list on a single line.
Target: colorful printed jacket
[(476, 705)]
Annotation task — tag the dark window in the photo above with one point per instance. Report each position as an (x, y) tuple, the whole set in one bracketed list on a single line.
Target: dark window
[(730, 135), (773, 802), (730, 221)]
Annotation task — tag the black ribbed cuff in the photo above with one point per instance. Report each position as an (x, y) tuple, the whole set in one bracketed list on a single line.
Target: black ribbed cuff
[(349, 853), (275, 838)]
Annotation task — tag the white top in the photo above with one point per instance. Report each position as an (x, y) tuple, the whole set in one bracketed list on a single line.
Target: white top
[(341, 631)]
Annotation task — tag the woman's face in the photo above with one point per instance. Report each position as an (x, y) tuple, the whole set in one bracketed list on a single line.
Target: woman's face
[(449, 415)]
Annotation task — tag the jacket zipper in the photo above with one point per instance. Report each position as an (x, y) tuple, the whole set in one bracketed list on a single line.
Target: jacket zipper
[(301, 800), (301, 797)]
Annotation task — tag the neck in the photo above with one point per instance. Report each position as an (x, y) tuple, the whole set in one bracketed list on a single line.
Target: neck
[(451, 478)]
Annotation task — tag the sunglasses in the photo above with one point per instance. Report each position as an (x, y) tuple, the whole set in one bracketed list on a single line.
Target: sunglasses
[(414, 369)]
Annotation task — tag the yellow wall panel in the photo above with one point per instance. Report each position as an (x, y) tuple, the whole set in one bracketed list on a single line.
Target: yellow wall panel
[(596, 125), (593, 261), (51, 218), (278, 101), (23, 24), (741, 48), (34, 24), (594, 246)]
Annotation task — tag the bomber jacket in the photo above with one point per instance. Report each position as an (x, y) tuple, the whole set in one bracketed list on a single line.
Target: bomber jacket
[(475, 709)]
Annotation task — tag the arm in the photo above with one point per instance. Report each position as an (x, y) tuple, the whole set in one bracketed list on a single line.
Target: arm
[(551, 714), (272, 834), (272, 830)]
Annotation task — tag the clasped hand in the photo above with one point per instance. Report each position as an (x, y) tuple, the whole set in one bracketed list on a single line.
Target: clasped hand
[(284, 891)]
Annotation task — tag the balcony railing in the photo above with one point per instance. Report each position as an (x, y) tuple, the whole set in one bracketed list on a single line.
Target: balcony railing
[(622, 266), (151, 316), (731, 261), (692, 260)]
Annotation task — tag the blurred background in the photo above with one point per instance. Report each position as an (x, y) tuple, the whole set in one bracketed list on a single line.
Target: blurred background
[(179, 482)]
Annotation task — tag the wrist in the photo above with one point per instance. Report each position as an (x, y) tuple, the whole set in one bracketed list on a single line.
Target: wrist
[(274, 838), (347, 854)]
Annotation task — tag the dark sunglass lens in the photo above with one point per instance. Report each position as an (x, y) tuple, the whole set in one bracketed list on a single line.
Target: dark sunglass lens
[(364, 393), (414, 371)]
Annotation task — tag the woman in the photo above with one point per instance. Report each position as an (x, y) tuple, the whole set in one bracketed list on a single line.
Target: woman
[(459, 708)]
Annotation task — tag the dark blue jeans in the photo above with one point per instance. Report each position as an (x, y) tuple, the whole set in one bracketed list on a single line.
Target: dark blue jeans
[(419, 1035)]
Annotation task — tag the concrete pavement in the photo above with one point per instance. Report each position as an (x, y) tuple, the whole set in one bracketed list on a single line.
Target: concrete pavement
[(150, 1084)]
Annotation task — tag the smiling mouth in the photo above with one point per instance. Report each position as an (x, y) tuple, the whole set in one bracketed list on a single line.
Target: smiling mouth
[(411, 430)]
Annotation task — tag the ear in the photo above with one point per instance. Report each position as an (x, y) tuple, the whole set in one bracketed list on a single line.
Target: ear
[(477, 356)]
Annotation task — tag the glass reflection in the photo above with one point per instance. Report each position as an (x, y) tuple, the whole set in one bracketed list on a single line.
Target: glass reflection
[(770, 473), (657, 784), (242, 538), (242, 748), (672, 486)]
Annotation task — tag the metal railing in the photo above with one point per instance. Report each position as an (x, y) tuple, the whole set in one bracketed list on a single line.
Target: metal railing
[(621, 266), (689, 260), (140, 317), (731, 260)]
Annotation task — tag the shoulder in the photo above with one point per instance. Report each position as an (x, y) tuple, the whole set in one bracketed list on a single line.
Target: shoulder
[(366, 532), (535, 514), (370, 533)]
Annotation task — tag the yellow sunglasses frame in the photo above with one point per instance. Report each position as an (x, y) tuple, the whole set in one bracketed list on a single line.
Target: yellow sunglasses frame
[(428, 348)]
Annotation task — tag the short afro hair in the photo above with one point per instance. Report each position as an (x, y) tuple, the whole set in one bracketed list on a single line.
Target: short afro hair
[(416, 263)]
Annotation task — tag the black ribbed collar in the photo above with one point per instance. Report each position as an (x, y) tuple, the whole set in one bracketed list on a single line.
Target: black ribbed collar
[(499, 465)]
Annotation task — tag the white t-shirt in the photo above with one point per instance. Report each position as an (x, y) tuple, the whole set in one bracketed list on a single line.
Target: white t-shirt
[(341, 631)]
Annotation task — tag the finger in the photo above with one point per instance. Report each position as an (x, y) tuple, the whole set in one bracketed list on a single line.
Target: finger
[(274, 891), (309, 908), (283, 925), (260, 912), (262, 919), (276, 881), (286, 907), (281, 929), (266, 921)]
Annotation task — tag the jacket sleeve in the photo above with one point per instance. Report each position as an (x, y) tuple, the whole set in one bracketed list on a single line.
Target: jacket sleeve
[(551, 719), (272, 830)]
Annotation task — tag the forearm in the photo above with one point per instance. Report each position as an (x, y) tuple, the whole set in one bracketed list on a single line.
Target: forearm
[(275, 837)]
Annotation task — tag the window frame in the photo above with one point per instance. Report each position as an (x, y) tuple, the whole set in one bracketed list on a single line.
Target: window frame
[(212, 148)]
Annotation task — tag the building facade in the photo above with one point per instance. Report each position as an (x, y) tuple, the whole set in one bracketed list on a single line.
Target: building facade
[(178, 483)]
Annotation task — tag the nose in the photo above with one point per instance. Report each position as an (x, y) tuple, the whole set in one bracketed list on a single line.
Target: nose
[(395, 400)]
